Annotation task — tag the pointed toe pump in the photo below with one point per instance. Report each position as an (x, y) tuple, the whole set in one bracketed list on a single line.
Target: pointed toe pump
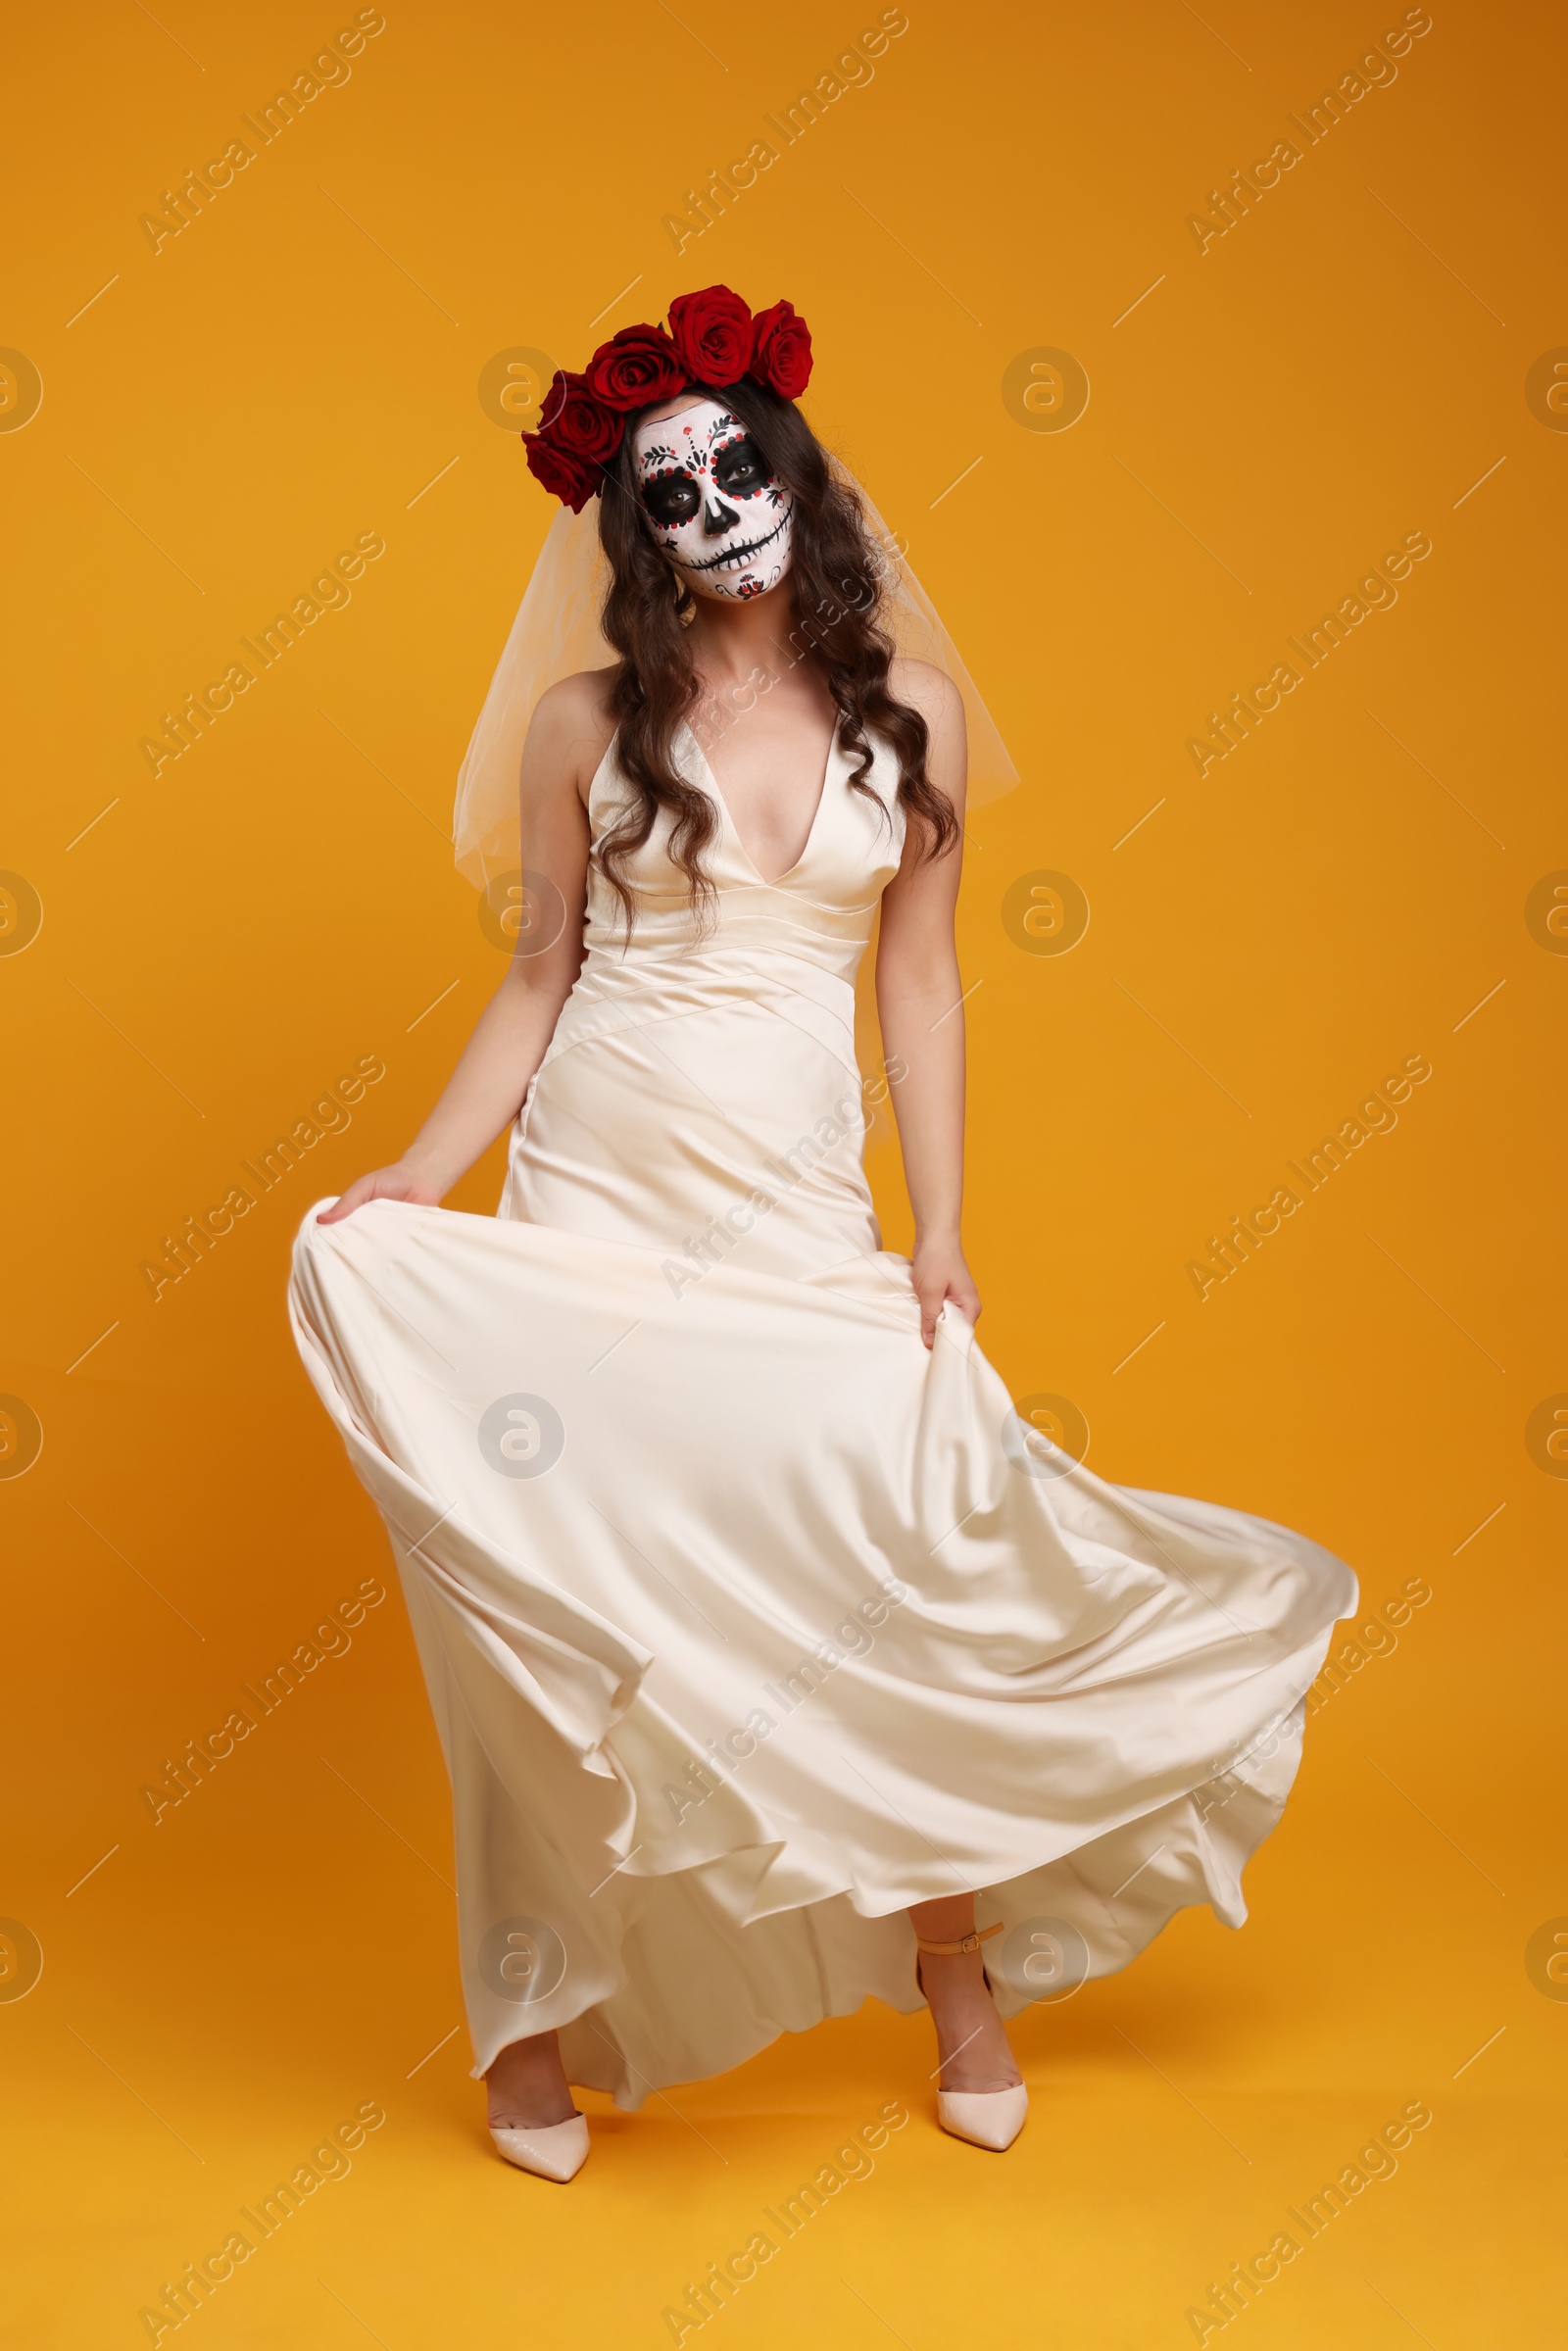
[(553, 2151), (991, 2118)]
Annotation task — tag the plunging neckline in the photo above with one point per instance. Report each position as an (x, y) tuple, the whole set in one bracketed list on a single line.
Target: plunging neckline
[(717, 791)]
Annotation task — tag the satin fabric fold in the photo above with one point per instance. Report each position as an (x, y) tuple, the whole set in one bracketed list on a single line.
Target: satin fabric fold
[(747, 1620)]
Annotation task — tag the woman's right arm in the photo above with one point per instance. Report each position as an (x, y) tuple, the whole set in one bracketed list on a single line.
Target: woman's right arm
[(567, 739)]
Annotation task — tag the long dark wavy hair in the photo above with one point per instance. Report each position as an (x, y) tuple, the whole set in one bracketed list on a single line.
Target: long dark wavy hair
[(837, 575)]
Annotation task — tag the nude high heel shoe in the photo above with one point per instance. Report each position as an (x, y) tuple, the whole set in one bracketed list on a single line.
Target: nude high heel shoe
[(553, 2151), (988, 2118)]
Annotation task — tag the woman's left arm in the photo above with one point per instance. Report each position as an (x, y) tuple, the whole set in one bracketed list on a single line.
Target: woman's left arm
[(919, 1002)]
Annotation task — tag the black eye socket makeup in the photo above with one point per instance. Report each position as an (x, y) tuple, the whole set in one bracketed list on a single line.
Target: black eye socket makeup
[(672, 499), (740, 469)]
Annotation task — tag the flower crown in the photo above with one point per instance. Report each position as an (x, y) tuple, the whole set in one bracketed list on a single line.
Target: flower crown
[(712, 339)]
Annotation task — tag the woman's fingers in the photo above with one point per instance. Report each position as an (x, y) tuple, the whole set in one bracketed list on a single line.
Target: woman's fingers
[(345, 1204), (932, 1300), (363, 1188), (934, 1295), (405, 1181)]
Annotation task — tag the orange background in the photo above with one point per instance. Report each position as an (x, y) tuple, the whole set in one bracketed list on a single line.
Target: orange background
[(1348, 887)]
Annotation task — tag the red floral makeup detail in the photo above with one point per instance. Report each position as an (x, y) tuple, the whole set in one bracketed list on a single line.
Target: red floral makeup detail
[(714, 339)]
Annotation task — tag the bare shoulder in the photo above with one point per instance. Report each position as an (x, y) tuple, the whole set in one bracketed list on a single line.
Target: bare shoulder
[(930, 691), (571, 726), (577, 704)]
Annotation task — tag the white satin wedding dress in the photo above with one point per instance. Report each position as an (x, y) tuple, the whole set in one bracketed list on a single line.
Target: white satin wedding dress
[(747, 1621)]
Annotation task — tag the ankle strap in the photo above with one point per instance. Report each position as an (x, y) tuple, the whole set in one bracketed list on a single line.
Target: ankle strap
[(970, 1942)]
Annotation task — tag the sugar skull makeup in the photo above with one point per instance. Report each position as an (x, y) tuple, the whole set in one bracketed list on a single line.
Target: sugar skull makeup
[(713, 505)]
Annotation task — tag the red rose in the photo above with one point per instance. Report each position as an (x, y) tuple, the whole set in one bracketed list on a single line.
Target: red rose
[(573, 419), (781, 350), (572, 480), (712, 333), (636, 367)]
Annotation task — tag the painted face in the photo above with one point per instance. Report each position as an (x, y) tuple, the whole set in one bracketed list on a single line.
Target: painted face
[(722, 517)]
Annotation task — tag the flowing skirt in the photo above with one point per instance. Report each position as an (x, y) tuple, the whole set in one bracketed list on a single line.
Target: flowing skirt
[(747, 1621)]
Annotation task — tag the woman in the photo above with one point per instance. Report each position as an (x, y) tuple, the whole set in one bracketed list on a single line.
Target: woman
[(755, 1622)]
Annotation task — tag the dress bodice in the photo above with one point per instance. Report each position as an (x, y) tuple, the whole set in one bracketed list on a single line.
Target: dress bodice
[(821, 910), (719, 1037)]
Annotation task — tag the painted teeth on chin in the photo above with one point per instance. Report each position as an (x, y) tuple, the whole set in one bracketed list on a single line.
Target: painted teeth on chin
[(741, 553)]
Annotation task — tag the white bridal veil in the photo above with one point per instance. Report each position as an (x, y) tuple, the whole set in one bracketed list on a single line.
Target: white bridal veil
[(556, 632)]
